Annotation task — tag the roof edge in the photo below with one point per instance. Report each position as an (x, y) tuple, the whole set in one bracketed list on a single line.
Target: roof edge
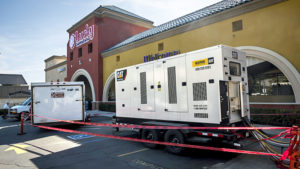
[(100, 12), (223, 15), (55, 56), (140, 17), (80, 22), (18, 75)]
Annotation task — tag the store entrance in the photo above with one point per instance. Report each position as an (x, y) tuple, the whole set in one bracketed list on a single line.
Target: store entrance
[(88, 91)]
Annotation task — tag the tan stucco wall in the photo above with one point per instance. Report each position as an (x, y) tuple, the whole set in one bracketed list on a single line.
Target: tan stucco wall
[(55, 62), (54, 74), (276, 28)]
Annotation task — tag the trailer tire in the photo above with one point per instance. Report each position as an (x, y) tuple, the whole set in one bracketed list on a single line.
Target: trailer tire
[(174, 136), (116, 129), (150, 135)]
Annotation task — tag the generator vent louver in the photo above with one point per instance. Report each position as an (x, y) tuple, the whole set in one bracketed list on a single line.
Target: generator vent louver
[(172, 85), (199, 91), (201, 115), (143, 86)]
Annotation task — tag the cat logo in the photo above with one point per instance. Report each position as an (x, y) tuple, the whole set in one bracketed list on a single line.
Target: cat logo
[(203, 62), (211, 61), (121, 75)]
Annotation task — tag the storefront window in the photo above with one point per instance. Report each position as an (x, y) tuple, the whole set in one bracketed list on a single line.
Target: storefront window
[(79, 52), (268, 84), (90, 48)]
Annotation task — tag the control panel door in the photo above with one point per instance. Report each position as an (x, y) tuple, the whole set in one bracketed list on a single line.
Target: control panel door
[(159, 82), (176, 85), (146, 86)]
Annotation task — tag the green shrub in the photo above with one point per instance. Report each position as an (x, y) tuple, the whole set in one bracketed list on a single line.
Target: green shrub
[(111, 107), (277, 117)]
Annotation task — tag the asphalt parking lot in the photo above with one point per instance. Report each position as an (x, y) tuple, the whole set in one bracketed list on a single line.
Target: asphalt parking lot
[(40, 148)]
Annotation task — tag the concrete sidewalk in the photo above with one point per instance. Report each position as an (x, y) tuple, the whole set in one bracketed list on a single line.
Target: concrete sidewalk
[(95, 113)]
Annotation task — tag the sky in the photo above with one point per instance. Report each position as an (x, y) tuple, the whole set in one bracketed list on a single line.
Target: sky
[(33, 30)]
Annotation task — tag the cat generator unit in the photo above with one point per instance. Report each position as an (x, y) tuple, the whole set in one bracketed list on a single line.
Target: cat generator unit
[(206, 87)]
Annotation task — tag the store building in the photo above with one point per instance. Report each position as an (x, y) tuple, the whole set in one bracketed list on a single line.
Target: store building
[(55, 68), (267, 30), (13, 89), (101, 29)]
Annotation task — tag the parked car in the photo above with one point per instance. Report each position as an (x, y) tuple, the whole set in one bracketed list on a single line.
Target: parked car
[(16, 111)]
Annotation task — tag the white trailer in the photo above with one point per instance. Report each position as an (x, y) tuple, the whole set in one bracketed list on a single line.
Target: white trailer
[(57, 100), (206, 87)]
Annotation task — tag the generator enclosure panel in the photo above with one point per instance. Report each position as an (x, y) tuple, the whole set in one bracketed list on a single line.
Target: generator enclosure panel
[(57, 100), (203, 86)]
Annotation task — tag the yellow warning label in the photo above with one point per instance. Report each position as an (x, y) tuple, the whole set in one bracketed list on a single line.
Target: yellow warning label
[(201, 62), (159, 86)]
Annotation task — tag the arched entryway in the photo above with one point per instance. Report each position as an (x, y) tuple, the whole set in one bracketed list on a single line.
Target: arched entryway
[(88, 91), (267, 84), (270, 74), (109, 89), (83, 76)]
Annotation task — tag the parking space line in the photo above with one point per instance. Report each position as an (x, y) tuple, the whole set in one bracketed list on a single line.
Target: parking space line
[(39, 148), (133, 152), (3, 127)]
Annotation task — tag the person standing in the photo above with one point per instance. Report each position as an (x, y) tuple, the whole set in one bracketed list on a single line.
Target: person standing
[(5, 108)]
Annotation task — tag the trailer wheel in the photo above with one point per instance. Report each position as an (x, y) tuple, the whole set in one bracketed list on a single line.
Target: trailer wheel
[(150, 135), (174, 136), (116, 129)]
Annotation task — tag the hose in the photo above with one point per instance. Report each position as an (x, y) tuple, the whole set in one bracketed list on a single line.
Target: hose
[(274, 140), (265, 144)]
